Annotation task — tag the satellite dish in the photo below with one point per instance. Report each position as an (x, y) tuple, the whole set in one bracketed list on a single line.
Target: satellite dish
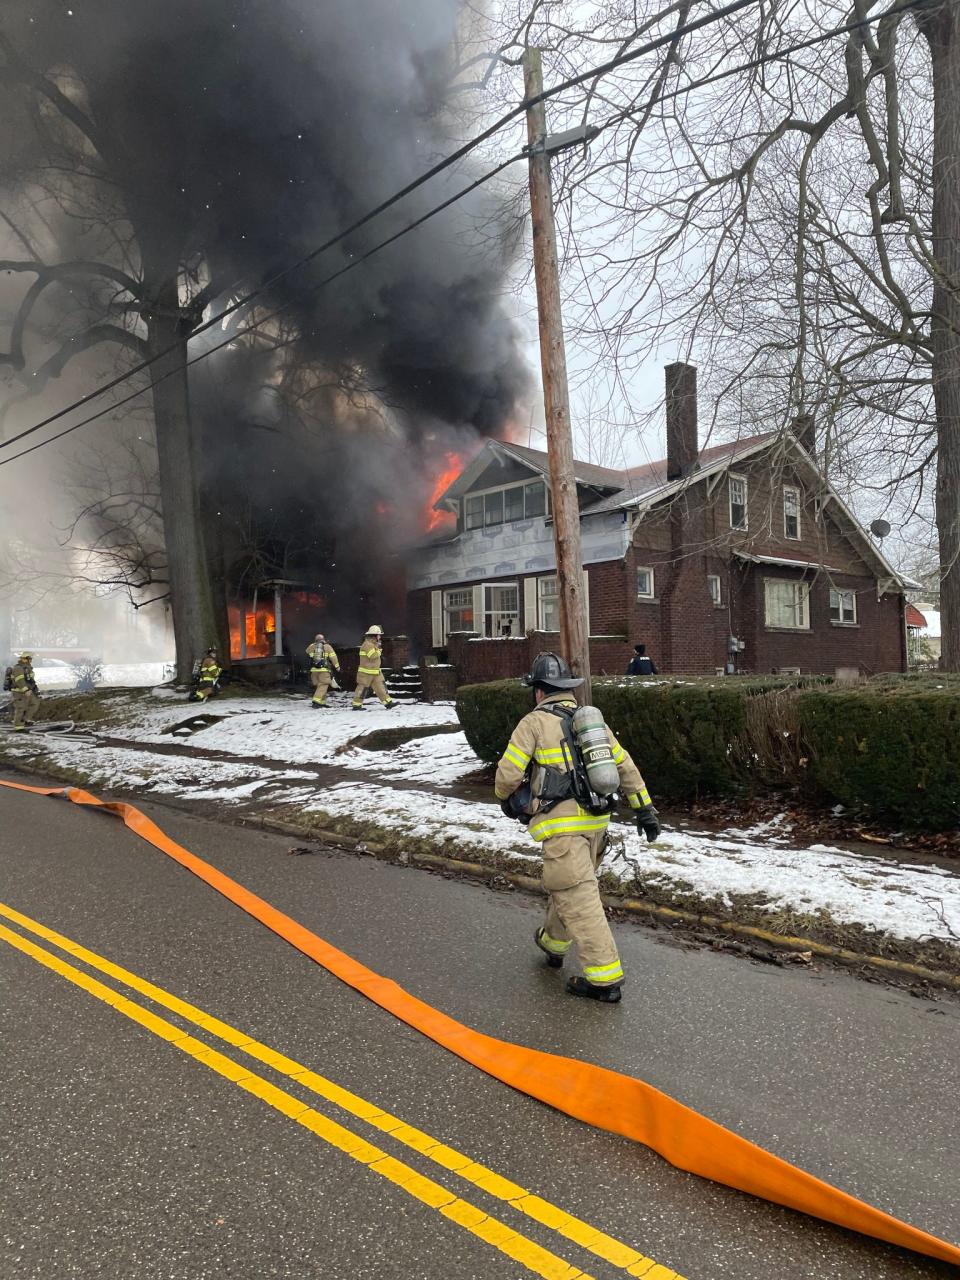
[(879, 528)]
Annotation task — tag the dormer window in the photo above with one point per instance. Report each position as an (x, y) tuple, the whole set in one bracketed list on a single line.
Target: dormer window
[(506, 505)]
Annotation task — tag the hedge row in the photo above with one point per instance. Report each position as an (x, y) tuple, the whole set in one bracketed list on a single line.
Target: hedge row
[(891, 746)]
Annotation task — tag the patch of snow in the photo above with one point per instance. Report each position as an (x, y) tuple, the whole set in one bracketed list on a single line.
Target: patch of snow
[(900, 899)]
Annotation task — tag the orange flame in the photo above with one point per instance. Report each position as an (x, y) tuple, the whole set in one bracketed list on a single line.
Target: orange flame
[(259, 627), (452, 468)]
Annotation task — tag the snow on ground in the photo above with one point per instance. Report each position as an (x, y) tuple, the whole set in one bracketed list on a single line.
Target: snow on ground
[(760, 863), (898, 898)]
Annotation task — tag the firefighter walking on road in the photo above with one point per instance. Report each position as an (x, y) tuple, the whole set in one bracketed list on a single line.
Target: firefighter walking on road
[(324, 664), (22, 684), (369, 674), (208, 677), (535, 781)]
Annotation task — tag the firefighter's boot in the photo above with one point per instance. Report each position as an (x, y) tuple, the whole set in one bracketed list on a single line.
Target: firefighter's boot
[(606, 995), (551, 948)]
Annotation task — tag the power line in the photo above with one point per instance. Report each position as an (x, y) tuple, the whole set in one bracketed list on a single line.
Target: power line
[(599, 71), (649, 47), (355, 262)]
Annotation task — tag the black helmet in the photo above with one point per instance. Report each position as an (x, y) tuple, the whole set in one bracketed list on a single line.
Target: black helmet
[(553, 671)]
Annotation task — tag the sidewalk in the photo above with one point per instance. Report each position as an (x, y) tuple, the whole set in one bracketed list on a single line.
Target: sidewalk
[(407, 780)]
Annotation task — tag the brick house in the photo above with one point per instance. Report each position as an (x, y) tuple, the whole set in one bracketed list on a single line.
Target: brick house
[(738, 557)]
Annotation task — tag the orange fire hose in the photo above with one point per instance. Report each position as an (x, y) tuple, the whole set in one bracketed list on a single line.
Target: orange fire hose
[(600, 1097)]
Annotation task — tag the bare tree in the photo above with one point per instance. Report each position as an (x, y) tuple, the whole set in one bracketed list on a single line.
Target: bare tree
[(782, 203), (83, 155)]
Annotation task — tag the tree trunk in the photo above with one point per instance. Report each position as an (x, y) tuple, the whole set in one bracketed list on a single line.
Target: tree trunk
[(940, 26), (195, 610)]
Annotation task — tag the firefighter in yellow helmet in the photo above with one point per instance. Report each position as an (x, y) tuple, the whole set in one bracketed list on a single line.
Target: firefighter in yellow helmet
[(534, 778), (324, 664), (22, 684), (369, 675), (208, 677)]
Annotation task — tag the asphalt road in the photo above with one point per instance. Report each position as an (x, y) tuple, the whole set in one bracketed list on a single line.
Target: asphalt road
[(123, 1156)]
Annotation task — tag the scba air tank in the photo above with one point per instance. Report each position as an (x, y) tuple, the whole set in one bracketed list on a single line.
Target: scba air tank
[(593, 741)]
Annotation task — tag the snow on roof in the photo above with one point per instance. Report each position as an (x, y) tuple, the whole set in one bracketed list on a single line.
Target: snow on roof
[(932, 629)]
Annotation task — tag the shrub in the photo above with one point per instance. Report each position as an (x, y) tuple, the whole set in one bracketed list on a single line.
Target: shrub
[(488, 713), (893, 747), (890, 745), (689, 737)]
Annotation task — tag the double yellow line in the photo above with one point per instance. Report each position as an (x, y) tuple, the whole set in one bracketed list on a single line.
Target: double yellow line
[(520, 1248)]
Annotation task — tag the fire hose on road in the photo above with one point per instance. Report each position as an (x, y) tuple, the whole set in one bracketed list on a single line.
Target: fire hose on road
[(600, 1097)]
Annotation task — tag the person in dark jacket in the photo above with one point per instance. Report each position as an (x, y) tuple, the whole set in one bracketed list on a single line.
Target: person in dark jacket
[(640, 664)]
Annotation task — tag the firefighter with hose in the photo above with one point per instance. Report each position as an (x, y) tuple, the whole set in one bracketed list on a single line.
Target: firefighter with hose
[(21, 683), (324, 664), (560, 774), (369, 674)]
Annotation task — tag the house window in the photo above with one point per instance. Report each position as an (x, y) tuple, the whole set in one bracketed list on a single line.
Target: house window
[(493, 508), (534, 499), (458, 611), (713, 586), (548, 604), (507, 505), (473, 512), (501, 609), (512, 504), (843, 607), (738, 502), (791, 513), (644, 584), (786, 604)]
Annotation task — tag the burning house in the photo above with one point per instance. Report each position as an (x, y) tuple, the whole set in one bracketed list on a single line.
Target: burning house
[(735, 558)]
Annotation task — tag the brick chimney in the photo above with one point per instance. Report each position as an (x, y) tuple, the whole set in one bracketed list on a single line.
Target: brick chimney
[(805, 429), (683, 448)]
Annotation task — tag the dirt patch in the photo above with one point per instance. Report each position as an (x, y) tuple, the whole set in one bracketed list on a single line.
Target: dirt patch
[(812, 825), (387, 739)]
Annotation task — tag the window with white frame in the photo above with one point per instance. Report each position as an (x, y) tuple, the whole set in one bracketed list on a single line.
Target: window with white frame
[(548, 604), (473, 512), (791, 512), (737, 488), (713, 586), (506, 505), (843, 607), (501, 609), (786, 604), (645, 584), (458, 611)]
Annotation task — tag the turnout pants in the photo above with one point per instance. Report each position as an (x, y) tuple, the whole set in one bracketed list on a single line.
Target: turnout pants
[(204, 691), (321, 681), (375, 683), (25, 707), (575, 912)]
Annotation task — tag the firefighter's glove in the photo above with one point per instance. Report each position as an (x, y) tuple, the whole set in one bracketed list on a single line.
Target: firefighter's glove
[(648, 822), (506, 808)]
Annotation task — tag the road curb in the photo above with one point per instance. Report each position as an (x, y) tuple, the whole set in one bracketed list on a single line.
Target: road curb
[(636, 906)]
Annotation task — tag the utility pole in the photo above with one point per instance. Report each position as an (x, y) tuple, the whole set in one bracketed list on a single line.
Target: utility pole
[(574, 639)]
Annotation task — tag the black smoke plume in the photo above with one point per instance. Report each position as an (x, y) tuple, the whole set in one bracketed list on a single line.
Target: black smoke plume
[(236, 135)]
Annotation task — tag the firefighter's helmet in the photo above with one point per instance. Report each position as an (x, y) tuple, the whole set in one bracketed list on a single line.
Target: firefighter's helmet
[(319, 637), (25, 657), (552, 671), (374, 630)]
